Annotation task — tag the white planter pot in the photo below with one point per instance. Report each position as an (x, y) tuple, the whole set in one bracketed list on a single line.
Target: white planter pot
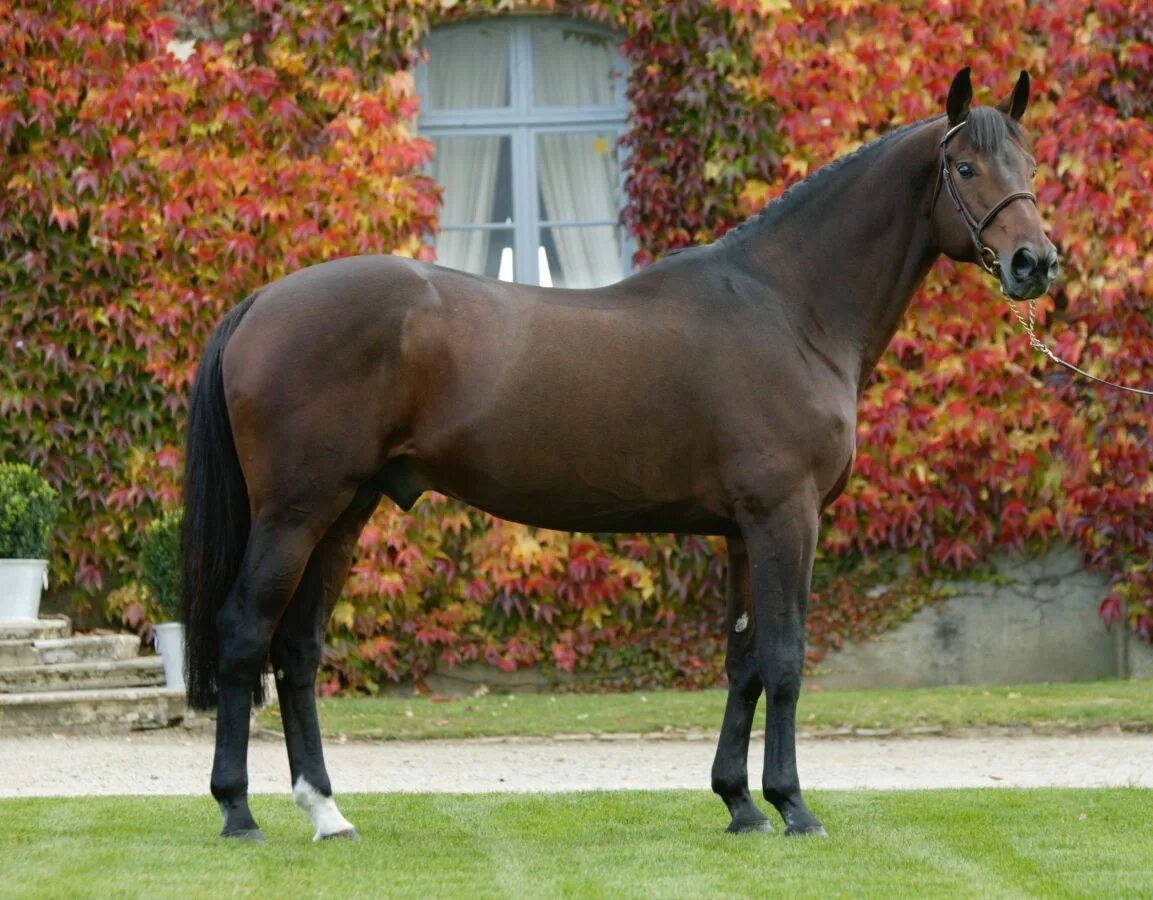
[(21, 581), (169, 639)]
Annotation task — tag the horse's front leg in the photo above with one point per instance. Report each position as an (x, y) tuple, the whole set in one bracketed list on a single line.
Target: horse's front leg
[(781, 544), (730, 768), (296, 651)]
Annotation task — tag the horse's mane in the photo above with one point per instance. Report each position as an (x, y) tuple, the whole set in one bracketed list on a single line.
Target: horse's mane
[(987, 128), (803, 190)]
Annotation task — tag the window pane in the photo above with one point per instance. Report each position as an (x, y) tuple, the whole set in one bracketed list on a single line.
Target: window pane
[(476, 174), (468, 68), (573, 67), (578, 177), (477, 250), (581, 257)]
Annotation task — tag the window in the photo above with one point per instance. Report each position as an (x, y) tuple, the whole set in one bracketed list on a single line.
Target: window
[(525, 115)]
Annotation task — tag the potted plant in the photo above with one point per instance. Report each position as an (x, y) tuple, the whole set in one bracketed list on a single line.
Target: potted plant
[(28, 511), (160, 571)]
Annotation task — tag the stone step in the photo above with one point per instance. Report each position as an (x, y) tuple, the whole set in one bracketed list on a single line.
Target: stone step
[(107, 712), (143, 671), (35, 629), (54, 651)]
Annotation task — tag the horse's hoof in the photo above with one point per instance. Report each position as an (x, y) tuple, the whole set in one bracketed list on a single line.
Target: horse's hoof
[(245, 834), (349, 834), (814, 830), (749, 825)]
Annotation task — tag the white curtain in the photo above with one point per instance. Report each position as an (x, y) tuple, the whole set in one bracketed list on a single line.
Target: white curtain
[(578, 172), (467, 71), (571, 68)]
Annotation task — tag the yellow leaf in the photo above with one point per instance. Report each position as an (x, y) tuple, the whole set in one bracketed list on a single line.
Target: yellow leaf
[(342, 613), (525, 548), (594, 615)]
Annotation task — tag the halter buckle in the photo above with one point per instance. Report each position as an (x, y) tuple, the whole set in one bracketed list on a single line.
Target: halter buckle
[(988, 259)]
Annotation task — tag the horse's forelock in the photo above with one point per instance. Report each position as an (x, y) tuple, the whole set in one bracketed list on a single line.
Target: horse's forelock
[(989, 129)]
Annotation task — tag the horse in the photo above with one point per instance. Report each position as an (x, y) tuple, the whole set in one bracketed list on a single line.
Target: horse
[(713, 392)]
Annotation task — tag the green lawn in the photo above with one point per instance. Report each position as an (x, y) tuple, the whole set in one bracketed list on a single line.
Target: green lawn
[(1040, 707), (987, 843)]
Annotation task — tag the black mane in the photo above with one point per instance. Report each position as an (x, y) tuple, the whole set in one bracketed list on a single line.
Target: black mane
[(988, 130), (801, 191)]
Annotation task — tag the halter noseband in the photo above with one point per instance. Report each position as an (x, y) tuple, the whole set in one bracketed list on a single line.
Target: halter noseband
[(986, 255)]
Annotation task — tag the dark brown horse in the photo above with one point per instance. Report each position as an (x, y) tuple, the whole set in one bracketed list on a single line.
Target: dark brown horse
[(713, 393)]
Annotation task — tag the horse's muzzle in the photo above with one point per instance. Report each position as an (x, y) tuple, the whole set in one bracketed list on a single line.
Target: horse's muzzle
[(1029, 274)]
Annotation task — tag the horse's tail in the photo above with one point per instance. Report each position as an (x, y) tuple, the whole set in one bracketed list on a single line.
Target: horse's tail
[(216, 516)]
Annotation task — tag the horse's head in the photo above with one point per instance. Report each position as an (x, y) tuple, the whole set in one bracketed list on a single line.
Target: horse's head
[(985, 167)]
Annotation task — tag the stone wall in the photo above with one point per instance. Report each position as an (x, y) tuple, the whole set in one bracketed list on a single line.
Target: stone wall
[(1034, 620)]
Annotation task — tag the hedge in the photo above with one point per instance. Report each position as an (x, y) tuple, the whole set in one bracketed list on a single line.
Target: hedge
[(147, 193)]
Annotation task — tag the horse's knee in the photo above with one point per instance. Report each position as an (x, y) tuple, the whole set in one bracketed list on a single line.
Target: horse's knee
[(784, 686), (780, 673)]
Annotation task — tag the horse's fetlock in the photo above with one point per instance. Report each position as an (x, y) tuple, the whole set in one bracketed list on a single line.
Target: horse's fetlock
[(228, 791), (781, 796), (728, 784)]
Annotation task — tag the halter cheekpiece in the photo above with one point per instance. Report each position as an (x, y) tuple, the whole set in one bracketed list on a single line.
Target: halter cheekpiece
[(986, 255)]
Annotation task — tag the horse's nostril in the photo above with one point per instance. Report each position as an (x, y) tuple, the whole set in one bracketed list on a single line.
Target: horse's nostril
[(1052, 264), (1024, 263)]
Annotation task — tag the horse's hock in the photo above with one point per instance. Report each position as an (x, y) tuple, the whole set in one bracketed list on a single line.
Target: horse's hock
[(1034, 619)]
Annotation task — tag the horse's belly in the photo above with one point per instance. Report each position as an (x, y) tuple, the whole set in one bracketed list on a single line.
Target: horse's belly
[(559, 500), (565, 515)]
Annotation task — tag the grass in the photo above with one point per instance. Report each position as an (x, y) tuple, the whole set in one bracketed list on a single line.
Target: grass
[(987, 843), (1041, 707)]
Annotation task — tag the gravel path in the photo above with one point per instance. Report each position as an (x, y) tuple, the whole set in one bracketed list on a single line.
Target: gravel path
[(172, 763)]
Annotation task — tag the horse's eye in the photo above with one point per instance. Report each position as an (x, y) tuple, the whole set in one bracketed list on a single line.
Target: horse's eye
[(965, 170)]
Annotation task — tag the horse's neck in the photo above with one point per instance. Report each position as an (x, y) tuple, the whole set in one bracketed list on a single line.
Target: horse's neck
[(853, 252)]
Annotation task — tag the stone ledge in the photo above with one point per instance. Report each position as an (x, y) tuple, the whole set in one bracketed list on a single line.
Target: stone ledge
[(55, 651), (105, 712), (35, 629), (143, 671)]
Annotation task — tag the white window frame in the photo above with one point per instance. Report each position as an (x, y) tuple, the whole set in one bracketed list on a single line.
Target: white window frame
[(521, 121)]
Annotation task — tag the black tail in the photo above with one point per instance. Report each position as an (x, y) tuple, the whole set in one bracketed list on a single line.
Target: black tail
[(216, 517)]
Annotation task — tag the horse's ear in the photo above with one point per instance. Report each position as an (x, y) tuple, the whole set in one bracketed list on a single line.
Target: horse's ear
[(960, 96), (1014, 105)]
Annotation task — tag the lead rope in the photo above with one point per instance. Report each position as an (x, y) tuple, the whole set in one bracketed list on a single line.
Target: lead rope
[(1035, 342)]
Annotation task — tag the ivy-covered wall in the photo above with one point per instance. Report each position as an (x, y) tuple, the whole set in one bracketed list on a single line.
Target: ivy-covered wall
[(145, 194)]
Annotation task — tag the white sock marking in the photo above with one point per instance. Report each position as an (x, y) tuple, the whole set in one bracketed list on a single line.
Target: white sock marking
[(326, 818)]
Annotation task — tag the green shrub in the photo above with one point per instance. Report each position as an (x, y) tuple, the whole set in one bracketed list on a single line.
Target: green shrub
[(28, 511), (160, 563)]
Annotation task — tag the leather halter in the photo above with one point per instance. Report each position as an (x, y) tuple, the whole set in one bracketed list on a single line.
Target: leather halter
[(986, 255)]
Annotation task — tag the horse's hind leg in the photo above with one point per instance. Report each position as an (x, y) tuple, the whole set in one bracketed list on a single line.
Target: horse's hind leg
[(296, 651), (731, 767), (279, 545)]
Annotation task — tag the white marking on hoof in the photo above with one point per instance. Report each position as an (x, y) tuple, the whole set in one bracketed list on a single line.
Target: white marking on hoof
[(326, 818), (742, 623)]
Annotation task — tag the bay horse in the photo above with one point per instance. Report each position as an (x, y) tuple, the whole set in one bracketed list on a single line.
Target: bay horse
[(712, 393)]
